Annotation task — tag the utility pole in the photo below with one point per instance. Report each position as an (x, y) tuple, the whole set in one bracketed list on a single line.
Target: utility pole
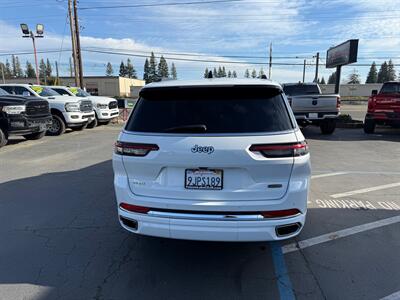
[(70, 67), (270, 61), (73, 40), (2, 73), (58, 78), (304, 71), (78, 45), (316, 67)]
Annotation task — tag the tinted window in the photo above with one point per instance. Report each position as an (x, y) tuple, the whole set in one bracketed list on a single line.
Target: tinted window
[(61, 91), (300, 89), (8, 89), (3, 92), (390, 88), (46, 92), (215, 109)]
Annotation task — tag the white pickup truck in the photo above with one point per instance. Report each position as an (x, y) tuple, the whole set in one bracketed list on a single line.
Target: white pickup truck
[(310, 106), (74, 113), (105, 108)]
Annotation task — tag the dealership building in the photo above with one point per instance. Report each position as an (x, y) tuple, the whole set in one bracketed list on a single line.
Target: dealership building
[(111, 86)]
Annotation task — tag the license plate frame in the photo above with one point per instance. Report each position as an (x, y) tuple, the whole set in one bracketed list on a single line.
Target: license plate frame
[(202, 173), (313, 115)]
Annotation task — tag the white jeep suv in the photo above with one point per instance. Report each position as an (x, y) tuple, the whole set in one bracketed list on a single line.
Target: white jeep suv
[(74, 113), (105, 108), (215, 160)]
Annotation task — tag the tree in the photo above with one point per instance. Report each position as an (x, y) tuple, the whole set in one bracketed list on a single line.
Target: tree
[(109, 69), (254, 73), (174, 73), (234, 75), (7, 70), (354, 77), (206, 73), (372, 76), (130, 69), (215, 73), (18, 70), (247, 74), (391, 71), (153, 77), (14, 67), (332, 78), (122, 69), (323, 80), (383, 73), (30, 71), (42, 70), (261, 74), (49, 69), (229, 74), (146, 71), (220, 73), (163, 71), (223, 72)]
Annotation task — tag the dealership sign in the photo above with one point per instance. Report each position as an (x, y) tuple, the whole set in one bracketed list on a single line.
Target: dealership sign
[(343, 54)]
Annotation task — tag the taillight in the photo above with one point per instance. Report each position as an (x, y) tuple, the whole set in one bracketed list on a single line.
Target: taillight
[(338, 102), (371, 103), (280, 213), (134, 149), (134, 208), (281, 150)]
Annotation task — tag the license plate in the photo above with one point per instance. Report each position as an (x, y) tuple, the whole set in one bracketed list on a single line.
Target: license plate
[(203, 179), (313, 116)]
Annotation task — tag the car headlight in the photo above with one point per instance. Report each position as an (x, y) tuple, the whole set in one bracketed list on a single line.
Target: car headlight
[(72, 107), (14, 109), (102, 106)]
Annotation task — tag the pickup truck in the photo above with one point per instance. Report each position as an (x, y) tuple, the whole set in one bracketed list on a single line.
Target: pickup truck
[(383, 107), (311, 107), (71, 113), (105, 108), (26, 116)]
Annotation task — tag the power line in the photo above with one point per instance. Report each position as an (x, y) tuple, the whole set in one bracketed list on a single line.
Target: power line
[(159, 4)]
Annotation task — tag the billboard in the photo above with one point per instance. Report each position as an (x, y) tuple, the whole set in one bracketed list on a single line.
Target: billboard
[(343, 54)]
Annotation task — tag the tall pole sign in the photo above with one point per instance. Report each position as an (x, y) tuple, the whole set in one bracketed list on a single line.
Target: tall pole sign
[(341, 55)]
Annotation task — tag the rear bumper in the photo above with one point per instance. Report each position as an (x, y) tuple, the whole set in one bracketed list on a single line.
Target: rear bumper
[(221, 230), (202, 230), (308, 116), (388, 117)]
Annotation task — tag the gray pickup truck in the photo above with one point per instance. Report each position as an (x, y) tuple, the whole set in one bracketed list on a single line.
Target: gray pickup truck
[(311, 107)]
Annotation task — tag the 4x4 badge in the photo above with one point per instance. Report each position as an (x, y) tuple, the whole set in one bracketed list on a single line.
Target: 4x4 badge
[(202, 149)]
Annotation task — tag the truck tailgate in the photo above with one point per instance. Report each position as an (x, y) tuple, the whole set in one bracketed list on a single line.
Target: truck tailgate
[(314, 103)]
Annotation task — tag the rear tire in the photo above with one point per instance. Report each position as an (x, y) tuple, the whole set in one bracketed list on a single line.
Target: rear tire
[(57, 127), (3, 138), (328, 126), (369, 126), (35, 136), (93, 124)]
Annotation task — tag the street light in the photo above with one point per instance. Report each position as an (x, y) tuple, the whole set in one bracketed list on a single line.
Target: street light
[(29, 34)]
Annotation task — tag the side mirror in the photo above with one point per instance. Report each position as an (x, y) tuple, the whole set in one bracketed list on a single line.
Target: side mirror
[(374, 92), (26, 94)]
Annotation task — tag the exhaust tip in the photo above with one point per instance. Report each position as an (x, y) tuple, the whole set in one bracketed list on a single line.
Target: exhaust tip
[(132, 224), (288, 229)]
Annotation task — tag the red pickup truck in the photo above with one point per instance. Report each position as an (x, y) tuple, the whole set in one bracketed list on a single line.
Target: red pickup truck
[(383, 107)]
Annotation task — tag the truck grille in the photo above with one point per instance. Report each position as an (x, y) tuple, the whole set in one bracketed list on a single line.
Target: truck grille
[(113, 104), (86, 106), (37, 108)]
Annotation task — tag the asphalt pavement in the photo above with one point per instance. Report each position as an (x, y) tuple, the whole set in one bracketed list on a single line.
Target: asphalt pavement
[(61, 238)]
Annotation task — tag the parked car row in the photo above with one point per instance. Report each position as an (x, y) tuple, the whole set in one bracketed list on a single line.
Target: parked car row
[(34, 110)]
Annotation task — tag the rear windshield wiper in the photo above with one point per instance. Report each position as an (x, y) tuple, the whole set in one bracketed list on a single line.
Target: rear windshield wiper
[(188, 128)]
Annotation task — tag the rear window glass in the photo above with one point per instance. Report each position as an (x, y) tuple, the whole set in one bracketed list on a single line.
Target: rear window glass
[(3, 92), (390, 88), (210, 110), (300, 89)]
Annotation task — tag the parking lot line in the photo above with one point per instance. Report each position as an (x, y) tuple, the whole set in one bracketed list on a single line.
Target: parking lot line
[(328, 175), (281, 273), (367, 190), (394, 296), (338, 234)]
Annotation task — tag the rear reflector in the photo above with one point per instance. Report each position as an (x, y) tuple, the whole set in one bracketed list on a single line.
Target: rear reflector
[(134, 149), (280, 213), (134, 208), (281, 150)]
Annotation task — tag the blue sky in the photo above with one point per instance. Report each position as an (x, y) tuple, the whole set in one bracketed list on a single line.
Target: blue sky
[(210, 32)]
